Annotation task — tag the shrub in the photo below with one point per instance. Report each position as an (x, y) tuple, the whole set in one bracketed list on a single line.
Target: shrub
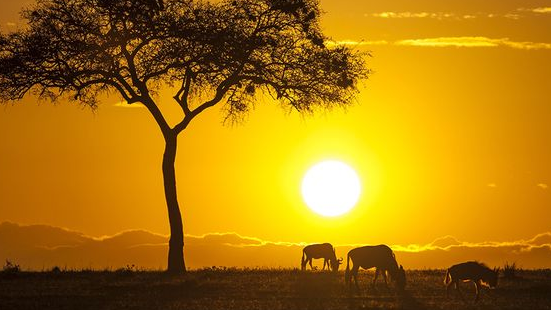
[(10, 268), (127, 270)]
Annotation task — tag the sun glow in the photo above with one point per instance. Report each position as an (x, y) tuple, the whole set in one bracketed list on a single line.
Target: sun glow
[(331, 188)]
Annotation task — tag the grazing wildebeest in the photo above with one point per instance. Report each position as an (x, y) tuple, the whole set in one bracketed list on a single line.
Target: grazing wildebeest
[(323, 250), (378, 256), (475, 272)]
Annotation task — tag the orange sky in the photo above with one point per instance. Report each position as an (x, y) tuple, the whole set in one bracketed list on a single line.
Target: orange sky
[(450, 136)]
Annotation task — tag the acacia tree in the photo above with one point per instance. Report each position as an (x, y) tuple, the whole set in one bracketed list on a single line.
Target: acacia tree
[(228, 52)]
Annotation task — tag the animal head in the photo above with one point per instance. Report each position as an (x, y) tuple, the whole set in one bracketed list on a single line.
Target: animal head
[(335, 263), (400, 279), (493, 276)]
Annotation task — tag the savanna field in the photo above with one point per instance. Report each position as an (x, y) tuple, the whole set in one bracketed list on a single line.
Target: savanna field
[(221, 288)]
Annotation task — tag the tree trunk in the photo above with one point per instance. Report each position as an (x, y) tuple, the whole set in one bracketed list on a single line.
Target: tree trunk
[(176, 262)]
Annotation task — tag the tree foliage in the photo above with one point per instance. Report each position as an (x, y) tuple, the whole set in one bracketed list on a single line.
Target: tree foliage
[(231, 50)]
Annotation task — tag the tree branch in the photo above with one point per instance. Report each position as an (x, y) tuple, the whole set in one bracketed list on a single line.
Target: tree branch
[(221, 91), (182, 96), (163, 71), (157, 115), (132, 68)]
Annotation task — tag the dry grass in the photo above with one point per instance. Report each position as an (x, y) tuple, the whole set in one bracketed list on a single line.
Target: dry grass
[(256, 289), (510, 270)]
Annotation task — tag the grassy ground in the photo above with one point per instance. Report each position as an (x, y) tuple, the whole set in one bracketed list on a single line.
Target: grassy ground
[(255, 289)]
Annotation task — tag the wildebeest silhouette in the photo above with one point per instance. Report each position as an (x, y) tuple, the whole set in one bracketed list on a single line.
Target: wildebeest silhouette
[(323, 250), (379, 256), (473, 271)]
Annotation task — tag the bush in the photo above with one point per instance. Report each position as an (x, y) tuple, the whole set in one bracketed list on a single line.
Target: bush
[(10, 269), (127, 270)]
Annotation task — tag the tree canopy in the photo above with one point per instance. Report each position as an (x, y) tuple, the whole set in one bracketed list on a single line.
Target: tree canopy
[(232, 49)]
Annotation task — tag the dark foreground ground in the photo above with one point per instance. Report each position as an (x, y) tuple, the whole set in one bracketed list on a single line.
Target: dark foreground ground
[(255, 289)]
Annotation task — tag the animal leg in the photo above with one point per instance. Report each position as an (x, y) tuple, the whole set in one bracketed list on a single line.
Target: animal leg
[(355, 275), (310, 262), (448, 288), (376, 276), (458, 289), (324, 263), (384, 277), (477, 289)]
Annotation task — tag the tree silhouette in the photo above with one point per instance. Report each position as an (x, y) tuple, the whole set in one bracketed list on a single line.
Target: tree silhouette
[(228, 52)]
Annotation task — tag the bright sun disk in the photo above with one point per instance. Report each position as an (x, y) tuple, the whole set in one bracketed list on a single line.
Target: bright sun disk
[(331, 188)]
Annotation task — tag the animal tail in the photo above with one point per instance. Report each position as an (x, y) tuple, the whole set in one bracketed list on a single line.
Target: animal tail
[(448, 278), (347, 271)]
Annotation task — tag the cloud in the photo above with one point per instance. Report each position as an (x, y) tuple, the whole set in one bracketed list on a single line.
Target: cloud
[(512, 16), (11, 24), (542, 185), (540, 240), (355, 43), (542, 10), (232, 239), (472, 42), (124, 104), (444, 242), (539, 10), (42, 247), (407, 15), (449, 41), (463, 42), (433, 15), (448, 15), (532, 253)]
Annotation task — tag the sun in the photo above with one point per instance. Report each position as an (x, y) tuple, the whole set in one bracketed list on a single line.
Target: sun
[(331, 188)]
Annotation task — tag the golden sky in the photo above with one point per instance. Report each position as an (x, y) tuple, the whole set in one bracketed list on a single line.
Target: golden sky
[(450, 136)]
